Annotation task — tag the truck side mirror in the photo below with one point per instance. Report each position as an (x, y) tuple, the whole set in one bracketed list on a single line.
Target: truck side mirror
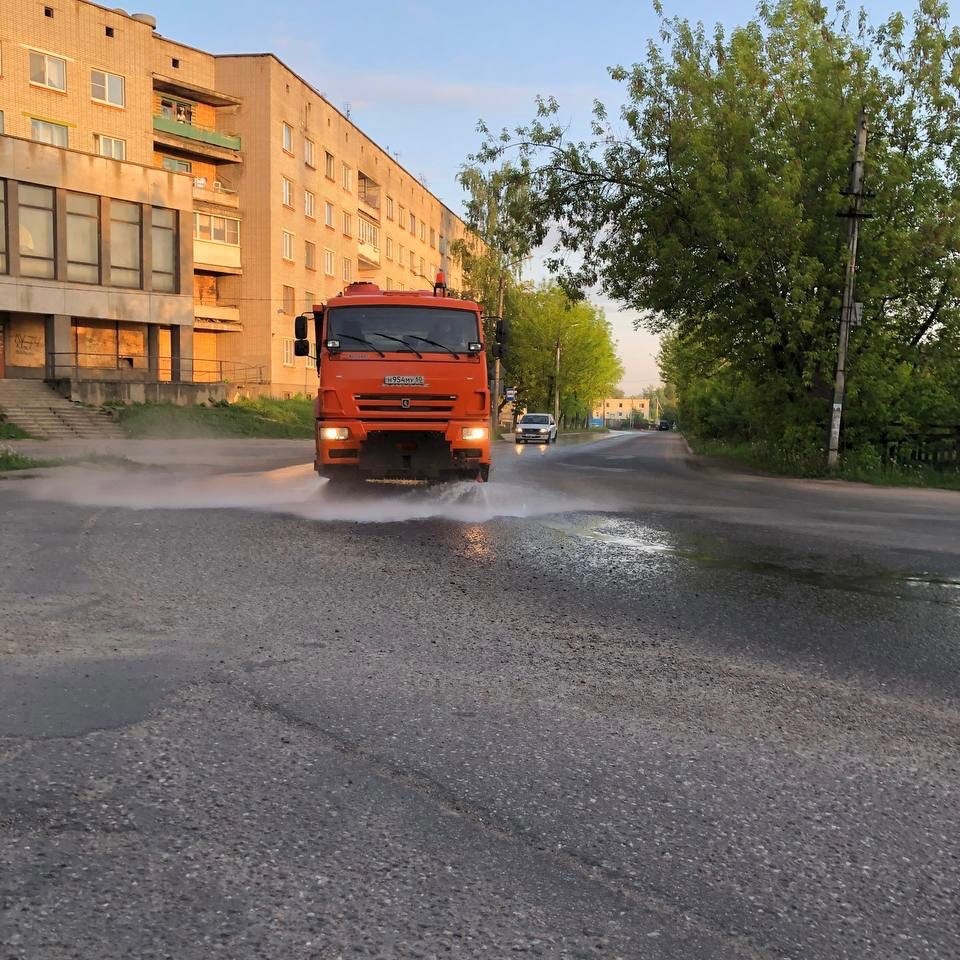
[(301, 348), (300, 329)]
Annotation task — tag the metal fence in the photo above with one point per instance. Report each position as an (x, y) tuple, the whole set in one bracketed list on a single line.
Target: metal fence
[(141, 368)]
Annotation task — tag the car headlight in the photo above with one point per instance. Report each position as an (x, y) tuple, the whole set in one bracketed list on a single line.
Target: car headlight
[(544, 429), (473, 433), (334, 433)]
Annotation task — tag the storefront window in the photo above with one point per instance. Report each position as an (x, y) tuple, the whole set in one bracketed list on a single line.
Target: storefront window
[(37, 244), (124, 244), (164, 249), (83, 238)]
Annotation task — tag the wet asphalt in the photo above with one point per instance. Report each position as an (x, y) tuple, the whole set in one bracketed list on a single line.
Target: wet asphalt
[(618, 703)]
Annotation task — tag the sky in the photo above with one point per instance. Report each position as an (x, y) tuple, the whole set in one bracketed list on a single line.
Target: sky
[(416, 76)]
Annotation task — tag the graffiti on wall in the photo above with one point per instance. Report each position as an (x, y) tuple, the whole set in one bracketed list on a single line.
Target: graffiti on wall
[(27, 344)]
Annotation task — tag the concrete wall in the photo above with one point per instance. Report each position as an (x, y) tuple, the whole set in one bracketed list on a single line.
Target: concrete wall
[(99, 392)]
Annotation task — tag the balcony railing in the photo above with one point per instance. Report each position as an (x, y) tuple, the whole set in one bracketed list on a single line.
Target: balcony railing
[(178, 128), (142, 368), (368, 255)]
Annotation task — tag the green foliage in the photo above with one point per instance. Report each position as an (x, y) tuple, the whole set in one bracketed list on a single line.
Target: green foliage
[(710, 205), (260, 417), (11, 460), (589, 366)]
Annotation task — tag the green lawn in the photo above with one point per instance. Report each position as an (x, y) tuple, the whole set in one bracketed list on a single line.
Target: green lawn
[(10, 431), (280, 419)]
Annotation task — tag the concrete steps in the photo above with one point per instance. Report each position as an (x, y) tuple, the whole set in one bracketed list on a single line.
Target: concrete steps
[(44, 414)]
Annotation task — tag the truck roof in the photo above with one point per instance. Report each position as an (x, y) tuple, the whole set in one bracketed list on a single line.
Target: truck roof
[(366, 294)]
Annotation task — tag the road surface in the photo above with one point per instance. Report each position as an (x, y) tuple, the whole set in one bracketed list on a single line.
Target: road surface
[(614, 704)]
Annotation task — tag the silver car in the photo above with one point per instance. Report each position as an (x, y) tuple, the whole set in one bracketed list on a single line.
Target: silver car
[(536, 428)]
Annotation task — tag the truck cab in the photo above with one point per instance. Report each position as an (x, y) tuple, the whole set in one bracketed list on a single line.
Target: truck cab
[(403, 391)]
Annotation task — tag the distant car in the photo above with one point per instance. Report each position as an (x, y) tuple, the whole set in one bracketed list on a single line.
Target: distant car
[(537, 428), (663, 424)]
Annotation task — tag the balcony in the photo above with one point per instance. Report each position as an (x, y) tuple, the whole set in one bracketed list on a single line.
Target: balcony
[(215, 256), (368, 197), (216, 316), (204, 143), (212, 191), (368, 256)]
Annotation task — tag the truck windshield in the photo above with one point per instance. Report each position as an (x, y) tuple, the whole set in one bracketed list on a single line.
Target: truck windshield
[(382, 326)]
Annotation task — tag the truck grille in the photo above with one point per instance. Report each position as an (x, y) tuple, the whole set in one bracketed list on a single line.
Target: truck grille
[(393, 403)]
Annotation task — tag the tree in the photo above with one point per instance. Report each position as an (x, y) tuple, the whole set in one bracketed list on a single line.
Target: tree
[(710, 206), (589, 366)]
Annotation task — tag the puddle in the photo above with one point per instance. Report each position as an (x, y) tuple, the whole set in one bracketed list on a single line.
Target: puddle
[(297, 491), (627, 538)]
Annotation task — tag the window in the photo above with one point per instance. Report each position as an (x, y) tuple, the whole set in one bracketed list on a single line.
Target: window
[(111, 147), (177, 110), (328, 213), (286, 246), (3, 226), (308, 152), (124, 244), (328, 165), (389, 208), (400, 214), (1, 121), (48, 71), (433, 238), (400, 254), (108, 31), (309, 299), (287, 136), (389, 248), (368, 232), (289, 300), (346, 177), (388, 284), (286, 191), (413, 224), (287, 343), (347, 224), (309, 204), (218, 229), (48, 12), (83, 238), (106, 88), (43, 131), (347, 270), (164, 248), (423, 267), (310, 255), (423, 232), (36, 231), (413, 261), (329, 262), (175, 63), (176, 165)]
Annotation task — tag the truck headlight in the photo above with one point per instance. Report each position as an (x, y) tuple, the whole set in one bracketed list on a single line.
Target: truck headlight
[(473, 433), (334, 433)]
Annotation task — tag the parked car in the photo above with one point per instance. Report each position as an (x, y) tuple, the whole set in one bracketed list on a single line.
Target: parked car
[(537, 428), (663, 424)]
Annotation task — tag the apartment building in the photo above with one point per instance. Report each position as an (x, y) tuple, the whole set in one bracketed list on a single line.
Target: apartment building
[(618, 409), (279, 199)]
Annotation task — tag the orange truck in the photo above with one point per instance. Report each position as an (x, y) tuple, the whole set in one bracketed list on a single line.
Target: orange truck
[(403, 392)]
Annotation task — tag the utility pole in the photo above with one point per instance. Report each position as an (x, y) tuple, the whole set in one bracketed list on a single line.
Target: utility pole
[(495, 402), (556, 385), (853, 216)]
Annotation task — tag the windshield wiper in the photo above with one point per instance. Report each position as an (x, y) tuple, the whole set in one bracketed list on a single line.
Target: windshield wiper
[(386, 336), (338, 336), (434, 343)]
